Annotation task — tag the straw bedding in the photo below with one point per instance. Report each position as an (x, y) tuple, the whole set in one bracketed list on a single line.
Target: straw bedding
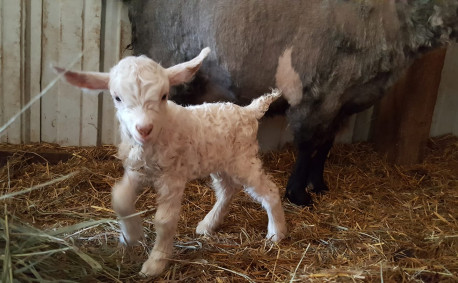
[(378, 221)]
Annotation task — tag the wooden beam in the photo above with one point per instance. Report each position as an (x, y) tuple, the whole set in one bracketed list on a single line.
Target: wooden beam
[(51, 157), (403, 117)]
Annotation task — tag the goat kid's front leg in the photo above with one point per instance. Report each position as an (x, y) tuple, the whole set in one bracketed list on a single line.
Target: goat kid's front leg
[(124, 194), (166, 220)]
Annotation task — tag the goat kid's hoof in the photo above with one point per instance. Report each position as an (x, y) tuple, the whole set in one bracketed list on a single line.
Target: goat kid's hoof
[(153, 267), (319, 187), (276, 237), (131, 232), (131, 239), (203, 228)]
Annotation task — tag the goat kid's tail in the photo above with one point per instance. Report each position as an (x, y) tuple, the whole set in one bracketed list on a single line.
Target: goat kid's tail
[(261, 104)]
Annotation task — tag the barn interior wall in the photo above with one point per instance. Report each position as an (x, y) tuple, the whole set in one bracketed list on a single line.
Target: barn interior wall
[(37, 33)]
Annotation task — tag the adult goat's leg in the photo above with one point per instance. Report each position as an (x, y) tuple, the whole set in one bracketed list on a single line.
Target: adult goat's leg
[(297, 183), (317, 167)]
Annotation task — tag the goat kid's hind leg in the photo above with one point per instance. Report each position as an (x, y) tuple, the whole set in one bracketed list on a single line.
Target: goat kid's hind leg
[(124, 194), (166, 220), (225, 189), (263, 190)]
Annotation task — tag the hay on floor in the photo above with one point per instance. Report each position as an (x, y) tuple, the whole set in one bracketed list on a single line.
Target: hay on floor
[(377, 220)]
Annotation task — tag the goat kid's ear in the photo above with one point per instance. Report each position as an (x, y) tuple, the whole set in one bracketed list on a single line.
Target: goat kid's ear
[(88, 80), (184, 72)]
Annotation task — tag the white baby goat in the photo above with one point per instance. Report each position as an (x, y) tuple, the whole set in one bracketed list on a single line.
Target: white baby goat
[(169, 145)]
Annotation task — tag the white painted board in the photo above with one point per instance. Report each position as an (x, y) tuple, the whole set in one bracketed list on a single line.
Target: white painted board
[(50, 55), (2, 116), (111, 57), (70, 41), (91, 62), (33, 67), (11, 65)]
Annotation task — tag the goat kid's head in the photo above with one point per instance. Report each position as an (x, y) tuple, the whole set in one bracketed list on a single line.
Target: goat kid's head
[(140, 89)]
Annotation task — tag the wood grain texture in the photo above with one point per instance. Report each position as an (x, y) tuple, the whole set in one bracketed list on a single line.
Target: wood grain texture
[(32, 70), (2, 95), (91, 62), (70, 41), (12, 87), (111, 57), (445, 118), (50, 55), (404, 115)]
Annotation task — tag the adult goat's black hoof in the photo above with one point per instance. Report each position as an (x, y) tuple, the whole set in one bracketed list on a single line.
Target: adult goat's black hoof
[(299, 197), (319, 187)]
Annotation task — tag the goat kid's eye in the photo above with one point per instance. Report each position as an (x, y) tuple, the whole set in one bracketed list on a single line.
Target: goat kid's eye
[(117, 98), (164, 97)]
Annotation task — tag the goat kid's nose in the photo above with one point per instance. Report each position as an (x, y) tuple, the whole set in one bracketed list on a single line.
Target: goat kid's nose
[(145, 130)]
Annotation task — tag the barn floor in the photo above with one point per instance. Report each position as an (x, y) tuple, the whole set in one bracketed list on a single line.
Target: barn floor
[(378, 220)]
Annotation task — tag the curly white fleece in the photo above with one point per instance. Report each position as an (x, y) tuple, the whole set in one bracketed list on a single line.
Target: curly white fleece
[(216, 139)]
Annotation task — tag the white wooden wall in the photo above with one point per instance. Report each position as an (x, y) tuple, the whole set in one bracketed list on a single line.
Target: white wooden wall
[(37, 33)]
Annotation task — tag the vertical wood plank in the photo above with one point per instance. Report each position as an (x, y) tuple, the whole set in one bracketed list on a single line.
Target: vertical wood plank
[(69, 97), (346, 132), (274, 133), (445, 118), (25, 117), (363, 125), (2, 116), (111, 57), (11, 65), (455, 125), (91, 62), (126, 31), (124, 41), (50, 55), (404, 115), (33, 66)]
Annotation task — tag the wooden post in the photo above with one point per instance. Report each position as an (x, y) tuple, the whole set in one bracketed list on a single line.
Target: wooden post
[(403, 117)]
